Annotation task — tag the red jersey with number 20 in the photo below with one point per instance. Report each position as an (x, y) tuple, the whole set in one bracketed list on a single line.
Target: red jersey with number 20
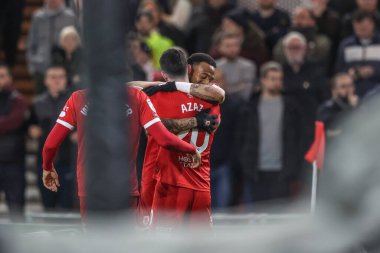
[(139, 111), (176, 168)]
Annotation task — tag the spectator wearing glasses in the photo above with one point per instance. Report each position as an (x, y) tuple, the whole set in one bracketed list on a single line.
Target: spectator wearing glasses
[(305, 80)]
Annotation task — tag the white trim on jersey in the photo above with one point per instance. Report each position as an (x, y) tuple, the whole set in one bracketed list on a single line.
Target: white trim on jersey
[(64, 123), (152, 122)]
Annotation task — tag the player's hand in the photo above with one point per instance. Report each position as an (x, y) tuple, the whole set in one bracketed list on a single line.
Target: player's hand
[(50, 180), (167, 87), (196, 160), (207, 122)]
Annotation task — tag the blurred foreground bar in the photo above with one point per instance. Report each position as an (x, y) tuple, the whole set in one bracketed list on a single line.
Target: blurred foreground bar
[(107, 179)]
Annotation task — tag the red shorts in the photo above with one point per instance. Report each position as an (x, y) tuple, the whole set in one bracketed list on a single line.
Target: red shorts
[(145, 204), (176, 207)]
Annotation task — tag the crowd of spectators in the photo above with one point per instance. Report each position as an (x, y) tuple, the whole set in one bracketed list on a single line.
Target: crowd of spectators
[(275, 64)]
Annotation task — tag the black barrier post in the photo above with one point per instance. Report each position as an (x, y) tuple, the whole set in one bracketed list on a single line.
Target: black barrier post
[(107, 177)]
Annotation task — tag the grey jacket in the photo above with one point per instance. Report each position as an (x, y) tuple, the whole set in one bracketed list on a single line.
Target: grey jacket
[(44, 34)]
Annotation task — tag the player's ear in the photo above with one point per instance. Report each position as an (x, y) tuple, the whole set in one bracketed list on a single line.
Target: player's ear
[(189, 70), (164, 76)]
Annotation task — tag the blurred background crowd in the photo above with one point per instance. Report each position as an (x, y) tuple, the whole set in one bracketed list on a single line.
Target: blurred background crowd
[(283, 64)]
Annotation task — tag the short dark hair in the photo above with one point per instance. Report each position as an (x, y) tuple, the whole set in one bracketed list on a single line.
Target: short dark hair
[(55, 66), (361, 15), (201, 57), (336, 77), (5, 66), (173, 62), (270, 66), (145, 14)]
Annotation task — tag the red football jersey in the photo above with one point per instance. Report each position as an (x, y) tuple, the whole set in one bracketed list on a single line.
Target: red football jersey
[(173, 167), (139, 111)]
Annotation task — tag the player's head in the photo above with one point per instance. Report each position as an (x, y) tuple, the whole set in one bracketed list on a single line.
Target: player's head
[(55, 79), (174, 65), (202, 68), (5, 76), (271, 77)]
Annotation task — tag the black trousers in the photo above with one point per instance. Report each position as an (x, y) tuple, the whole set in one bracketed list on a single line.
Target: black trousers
[(12, 182), (268, 186)]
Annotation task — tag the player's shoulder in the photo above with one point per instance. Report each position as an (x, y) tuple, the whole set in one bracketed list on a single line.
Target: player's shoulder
[(79, 96), (136, 92), (79, 93)]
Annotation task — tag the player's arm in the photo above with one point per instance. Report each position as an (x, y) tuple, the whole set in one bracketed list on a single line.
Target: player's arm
[(57, 135), (208, 92), (171, 142), (203, 121), (65, 124)]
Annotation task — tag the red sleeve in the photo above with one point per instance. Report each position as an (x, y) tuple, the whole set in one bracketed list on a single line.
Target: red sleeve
[(148, 114), (67, 117), (168, 140), (52, 143), (16, 117)]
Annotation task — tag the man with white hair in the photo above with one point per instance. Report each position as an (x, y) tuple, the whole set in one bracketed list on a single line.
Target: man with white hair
[(46, 26), (69, 55), (318, 46), (304, 80)]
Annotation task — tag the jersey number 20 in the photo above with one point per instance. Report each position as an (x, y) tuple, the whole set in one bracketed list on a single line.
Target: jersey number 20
[(194, 139)]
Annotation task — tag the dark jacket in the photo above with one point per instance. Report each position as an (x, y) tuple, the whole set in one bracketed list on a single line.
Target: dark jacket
[(309, 87), (274, 27), (367, 55), (223, 149), (248, 138), (203, 24), (13, 110), (44, 113), (73, 66)]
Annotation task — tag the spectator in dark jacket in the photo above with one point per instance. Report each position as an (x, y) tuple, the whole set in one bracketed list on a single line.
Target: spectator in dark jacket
[(273, 21), (359, 54), (270, 140), (223, 155), (329, 24), (370, 6), (203, 24), (343, 101), (318, 45), (13, 110), (253, 39), (45, 110), (69, 55), (305, 81)]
